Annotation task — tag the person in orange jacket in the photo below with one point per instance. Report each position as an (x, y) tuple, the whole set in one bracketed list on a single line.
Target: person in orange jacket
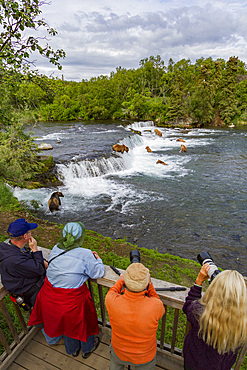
[(134, 317)]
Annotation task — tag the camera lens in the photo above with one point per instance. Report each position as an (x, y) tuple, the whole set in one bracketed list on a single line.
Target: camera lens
[(135, 256), (204, 257)]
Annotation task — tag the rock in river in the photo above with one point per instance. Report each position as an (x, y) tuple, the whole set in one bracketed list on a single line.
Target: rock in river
[(44, 146)]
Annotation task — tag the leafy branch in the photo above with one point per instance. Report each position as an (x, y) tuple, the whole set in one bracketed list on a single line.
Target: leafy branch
[(16, 47)]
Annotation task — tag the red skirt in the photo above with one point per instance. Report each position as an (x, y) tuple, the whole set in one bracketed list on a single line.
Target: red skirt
[(69, 312)]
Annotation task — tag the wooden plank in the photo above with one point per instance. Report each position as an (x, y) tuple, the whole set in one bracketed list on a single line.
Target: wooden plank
[(102, 306), (169, 361), (166, 361), (174, 330), (163, 329), (3, 291), (18, 349), (15, 366), (97, 362), (102, 350), (46, 252), (4, 342), (29, 361), (56, 356), (20, 317)]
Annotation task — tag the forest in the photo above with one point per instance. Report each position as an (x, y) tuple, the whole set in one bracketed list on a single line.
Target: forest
[(204, 93)]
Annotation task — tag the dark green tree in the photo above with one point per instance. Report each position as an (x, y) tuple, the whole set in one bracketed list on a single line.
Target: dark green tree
[(203, 92), (227, 104), (152, 70), (241, 94), (178, 106)]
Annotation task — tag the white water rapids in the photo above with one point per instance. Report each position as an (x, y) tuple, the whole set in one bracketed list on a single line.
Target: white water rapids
[(195, 202)]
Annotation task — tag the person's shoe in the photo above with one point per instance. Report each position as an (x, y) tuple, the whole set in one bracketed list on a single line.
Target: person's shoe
[(76, 353), (96, 345)]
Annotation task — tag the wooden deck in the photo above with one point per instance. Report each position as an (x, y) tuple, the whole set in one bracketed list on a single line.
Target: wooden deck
[(38, 355), (29, 349)]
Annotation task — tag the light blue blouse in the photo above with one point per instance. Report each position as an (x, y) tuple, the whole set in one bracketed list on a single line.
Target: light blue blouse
[(73, 268)]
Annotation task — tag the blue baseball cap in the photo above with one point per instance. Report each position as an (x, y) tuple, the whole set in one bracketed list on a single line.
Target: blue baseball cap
[(20, 227)]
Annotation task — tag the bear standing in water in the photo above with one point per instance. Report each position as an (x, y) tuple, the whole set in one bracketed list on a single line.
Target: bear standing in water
[(54, 202)]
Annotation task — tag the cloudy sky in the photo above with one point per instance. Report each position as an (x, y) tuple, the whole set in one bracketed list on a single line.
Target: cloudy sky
[(100, 35)]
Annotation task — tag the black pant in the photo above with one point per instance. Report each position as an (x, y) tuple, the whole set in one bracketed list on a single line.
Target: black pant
[(31, 294)]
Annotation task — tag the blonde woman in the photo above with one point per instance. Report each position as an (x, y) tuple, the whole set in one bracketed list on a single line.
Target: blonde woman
[(218, 320)]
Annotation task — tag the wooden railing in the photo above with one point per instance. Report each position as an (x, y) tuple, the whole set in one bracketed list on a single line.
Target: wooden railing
[(171, 329)]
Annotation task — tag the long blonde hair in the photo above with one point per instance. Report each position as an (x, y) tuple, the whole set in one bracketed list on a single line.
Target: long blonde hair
[(223, 323)]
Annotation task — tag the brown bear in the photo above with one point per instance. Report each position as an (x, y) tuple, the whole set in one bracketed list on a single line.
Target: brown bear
[(148, 149), (161, 162), (120, 148), (181, 140), (183, 148), (158, 132), (54, 202)]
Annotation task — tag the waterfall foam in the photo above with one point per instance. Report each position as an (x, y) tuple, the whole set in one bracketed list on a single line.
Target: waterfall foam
[(94, 168)]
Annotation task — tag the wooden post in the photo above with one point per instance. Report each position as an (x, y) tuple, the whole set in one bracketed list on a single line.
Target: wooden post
[(163, 329), (174, 331), (9, 321), (102, 306)]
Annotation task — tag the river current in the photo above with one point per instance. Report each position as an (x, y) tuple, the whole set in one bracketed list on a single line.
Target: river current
[(196, 202)]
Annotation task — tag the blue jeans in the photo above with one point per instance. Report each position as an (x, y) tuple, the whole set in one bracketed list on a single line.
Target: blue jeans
[(71, 344)]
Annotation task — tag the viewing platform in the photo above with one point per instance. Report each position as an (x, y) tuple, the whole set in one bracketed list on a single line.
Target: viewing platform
[(29, 349)]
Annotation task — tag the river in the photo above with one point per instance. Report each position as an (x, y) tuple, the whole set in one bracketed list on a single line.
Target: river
[(197, 202)]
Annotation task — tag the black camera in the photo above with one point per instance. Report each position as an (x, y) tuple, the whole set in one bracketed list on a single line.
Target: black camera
[(204, 257), (135, 256)]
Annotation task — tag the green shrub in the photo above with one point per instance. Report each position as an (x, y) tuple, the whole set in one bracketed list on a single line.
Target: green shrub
[(7, 199)]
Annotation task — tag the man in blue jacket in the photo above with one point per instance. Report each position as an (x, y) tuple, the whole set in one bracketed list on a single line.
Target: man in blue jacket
[(22, 268)]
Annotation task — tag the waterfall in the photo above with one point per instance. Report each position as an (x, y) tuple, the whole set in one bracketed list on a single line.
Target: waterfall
[(100, 166), (94, 168), (137, 125), (132, 141)]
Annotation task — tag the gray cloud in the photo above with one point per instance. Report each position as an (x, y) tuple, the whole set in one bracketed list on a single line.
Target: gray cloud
[(98, 41)]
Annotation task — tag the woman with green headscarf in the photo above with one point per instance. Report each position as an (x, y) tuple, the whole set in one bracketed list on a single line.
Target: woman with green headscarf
[(64, 306)]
